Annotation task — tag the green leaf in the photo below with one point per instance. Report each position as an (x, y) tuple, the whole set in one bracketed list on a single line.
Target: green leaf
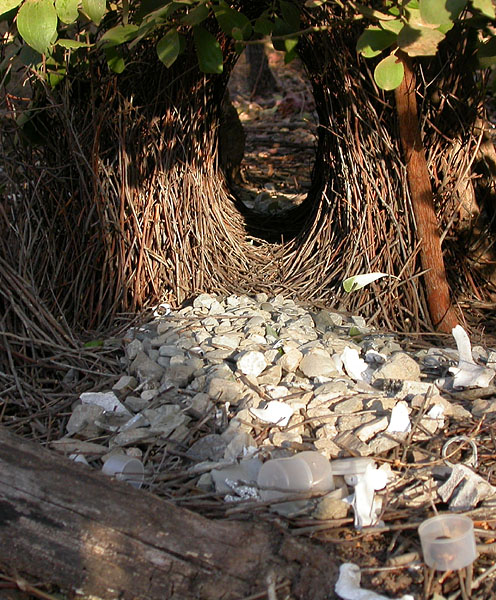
[(95, 9), (114, 60), (419, 41), (119, 35), (290, 14), (208, 50), (37, 24), (485, 7), (359, 281), (388, 74), (196, 16), (269, 330), (441, 12), (72, 44), (290, 44), (154, 10), (314, 3), (6, 5), (67, 10), (374, 40), (93, 344), (263, 25), (394, 26), (169, 48), (230, 19)]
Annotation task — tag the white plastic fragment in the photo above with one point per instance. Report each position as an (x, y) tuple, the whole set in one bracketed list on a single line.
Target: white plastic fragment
[(365, 504), (274, 412), (106, 400), (400, 421), (348, 585), (354, 365), (468, 373)]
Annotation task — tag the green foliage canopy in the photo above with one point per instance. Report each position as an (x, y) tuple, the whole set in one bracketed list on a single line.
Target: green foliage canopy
[(64, 31)]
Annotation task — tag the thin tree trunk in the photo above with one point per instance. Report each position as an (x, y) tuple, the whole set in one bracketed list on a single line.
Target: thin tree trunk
[(438, 295)]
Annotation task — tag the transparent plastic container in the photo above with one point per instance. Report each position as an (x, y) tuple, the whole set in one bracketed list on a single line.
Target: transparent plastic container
[(125, 468), (304, 472), (448, 542)]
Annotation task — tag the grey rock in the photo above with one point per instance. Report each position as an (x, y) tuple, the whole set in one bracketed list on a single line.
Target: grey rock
[(290, 360), (224, 390), (125, 385), (133, 348), (82, 420), (209, 447), (145, 368), (399, 366), (318, 363), (178, 375)]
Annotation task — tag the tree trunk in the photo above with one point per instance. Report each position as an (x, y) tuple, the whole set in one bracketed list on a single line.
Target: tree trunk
[(66, 524), (438, 297)]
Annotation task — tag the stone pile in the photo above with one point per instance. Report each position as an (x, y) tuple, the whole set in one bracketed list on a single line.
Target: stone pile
[(271, 378)]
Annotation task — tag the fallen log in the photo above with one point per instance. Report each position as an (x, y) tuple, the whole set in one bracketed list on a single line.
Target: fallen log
[(66, 524)]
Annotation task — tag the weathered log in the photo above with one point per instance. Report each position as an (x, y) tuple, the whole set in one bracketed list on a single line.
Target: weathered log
[(66, 524)]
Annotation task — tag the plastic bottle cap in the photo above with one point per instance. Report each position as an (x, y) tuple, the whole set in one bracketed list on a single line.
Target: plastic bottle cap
[(448, 542), (125, 468)]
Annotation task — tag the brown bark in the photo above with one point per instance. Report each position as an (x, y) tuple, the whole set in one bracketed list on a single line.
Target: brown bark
[(438, 295), (63, 523)]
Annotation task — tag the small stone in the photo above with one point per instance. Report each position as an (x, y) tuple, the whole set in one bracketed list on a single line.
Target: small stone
[(82, 420), (178, 375), (136, 404), (368, 430), (332, 506), (106, 400), (148, 395), (226, 342), (318, 363), (327, 447), (399, 366), (290, 360), (217, 356), (271, 376), (224, 390), (201, 404), (125, 385), (209, 447), (384, 442), (350, 405), (169, 350), (251, 363), (348, 441), (285, 438), (145, 368), (133, 348)]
